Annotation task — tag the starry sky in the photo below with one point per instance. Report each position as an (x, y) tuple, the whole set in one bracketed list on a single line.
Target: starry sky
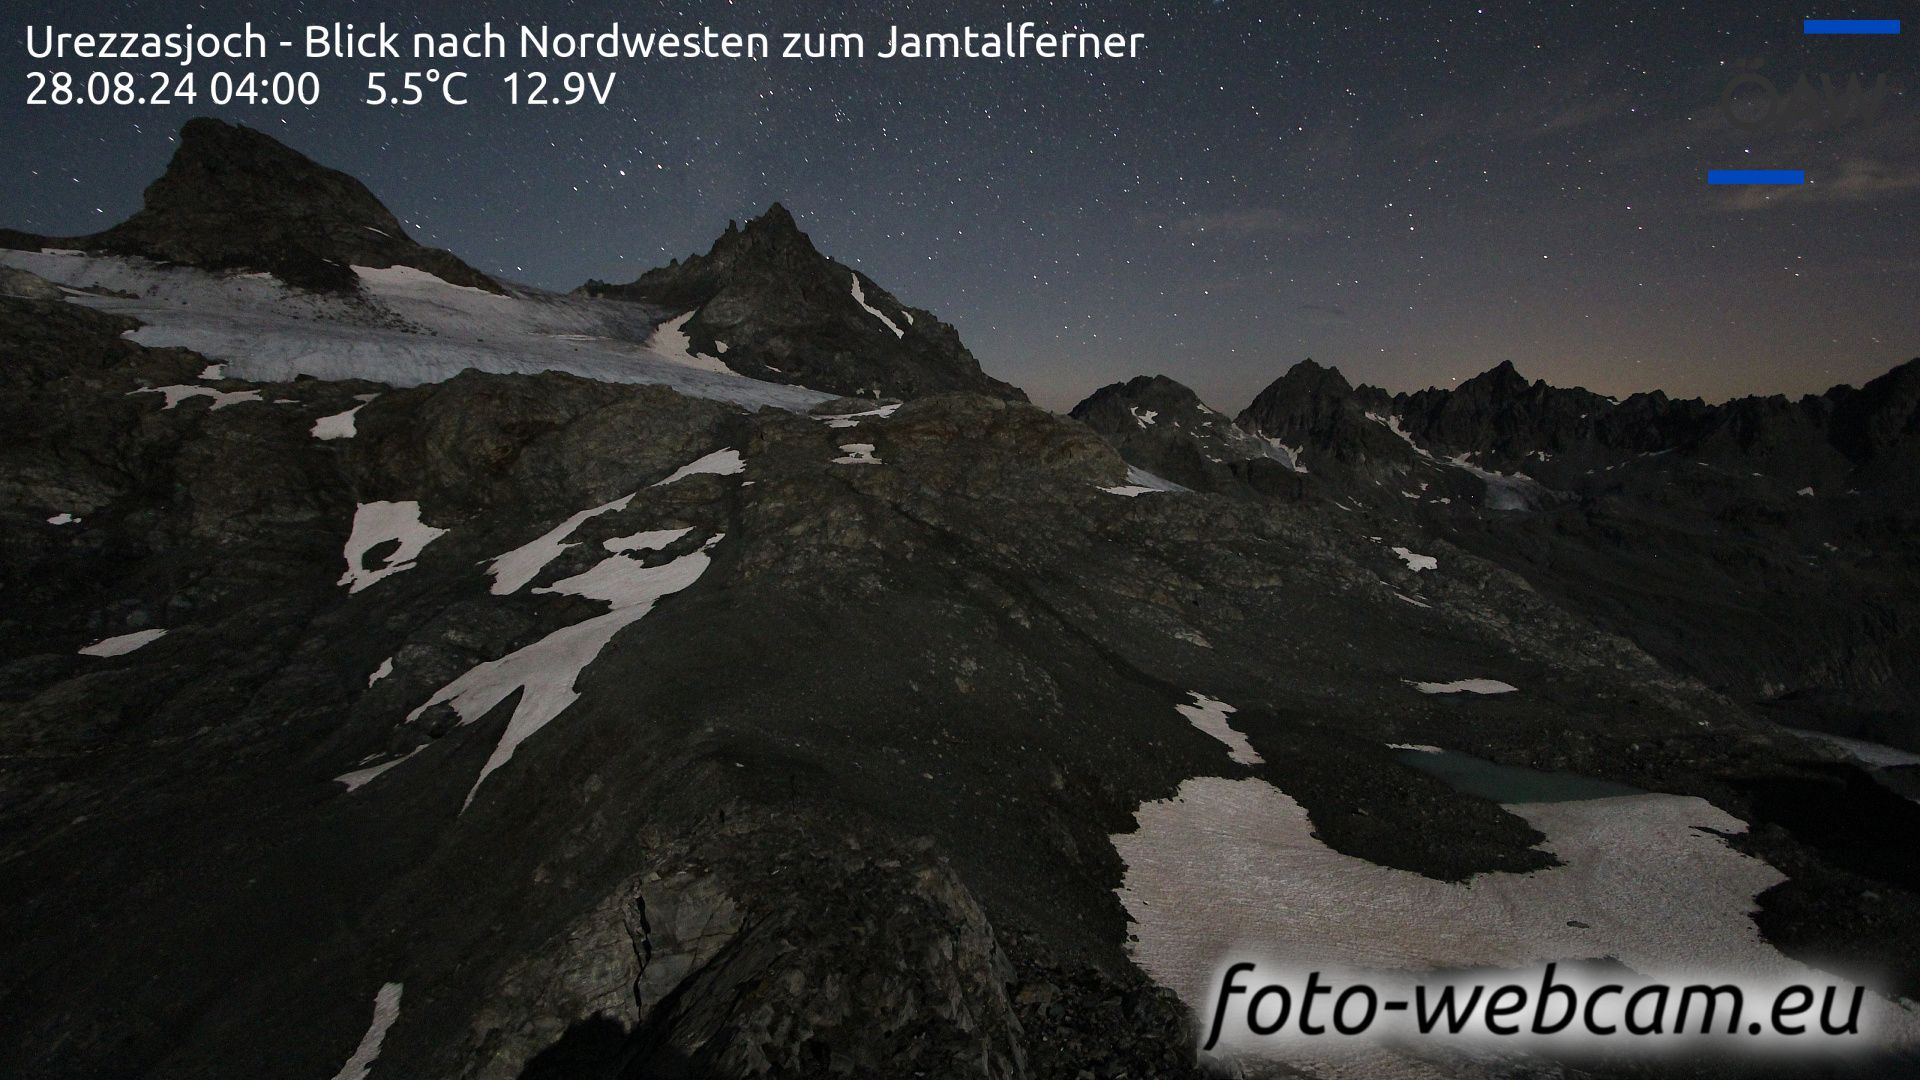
[(1410, 191)]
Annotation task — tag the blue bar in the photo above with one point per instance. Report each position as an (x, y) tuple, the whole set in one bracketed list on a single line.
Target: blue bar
[(1852, 26), (1756, 176)]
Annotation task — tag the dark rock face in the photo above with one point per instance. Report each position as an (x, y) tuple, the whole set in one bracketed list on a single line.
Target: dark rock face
[(1162, 427), (1314, 410), (841, 805), (786, 313), (1763, 545), (235, 199)]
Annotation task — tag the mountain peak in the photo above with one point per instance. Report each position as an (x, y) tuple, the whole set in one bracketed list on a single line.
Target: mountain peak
[(1162, 426), (1501, 378), (234, 198), (787, 313), (776, 217)]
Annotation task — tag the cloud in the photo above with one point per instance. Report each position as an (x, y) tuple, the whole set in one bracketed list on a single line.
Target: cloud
[(1858, 180)]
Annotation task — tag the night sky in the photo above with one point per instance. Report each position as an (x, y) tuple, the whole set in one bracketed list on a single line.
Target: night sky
[(1410, 192)]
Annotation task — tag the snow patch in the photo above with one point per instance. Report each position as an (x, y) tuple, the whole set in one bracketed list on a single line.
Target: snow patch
[(1141, 482), (124, 644), (1210, 716), (385, 669), (860, 297), (1392, 423), (858, 453), (1415, 561), (1144, 419), (386, 1009), (1231, 867), (413, 281), (544, 673), (360, 778), (851, 420), (671, 343), (339, 425), (657, 540), (516, 568), (1418, 747), (726, 462), (63, 519), (1465, 686), (1508, 491), (376, 523), (178, 393), (214, 372)]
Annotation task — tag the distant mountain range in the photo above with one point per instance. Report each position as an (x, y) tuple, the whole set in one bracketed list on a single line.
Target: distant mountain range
[(407, 673)]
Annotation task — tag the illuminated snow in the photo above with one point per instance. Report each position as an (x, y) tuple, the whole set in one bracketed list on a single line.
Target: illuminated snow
[(719, 463), (849, 420), (337, 426), (656, 540), (404, 328), (1511, 491), (377, 523), (516, 568), (857, 454), (1465, 686), (544, 673), (1392, 423), (1144, 419), (63, 519), (386, 1009), (1210, 716), (860, 297), (1417, 562), (359, 778), (124, 644), (1232, 868), (670, 341), (180, 392), (1141, 482)]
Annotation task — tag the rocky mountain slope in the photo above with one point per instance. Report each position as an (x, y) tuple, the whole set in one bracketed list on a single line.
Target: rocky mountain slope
[(381, 701), (768, 305), (235, 199), (1765, 546), (1159, 425)]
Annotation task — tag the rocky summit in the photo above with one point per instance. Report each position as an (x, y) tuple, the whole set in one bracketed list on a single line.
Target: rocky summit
[(381, 702), (235, 199), (768, 305)]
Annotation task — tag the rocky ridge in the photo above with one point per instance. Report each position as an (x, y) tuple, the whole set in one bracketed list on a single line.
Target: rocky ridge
[(235, 199), (766, 303)]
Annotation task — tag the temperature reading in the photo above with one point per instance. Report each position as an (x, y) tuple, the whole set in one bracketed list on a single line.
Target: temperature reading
[(414, 87), (535, 88)]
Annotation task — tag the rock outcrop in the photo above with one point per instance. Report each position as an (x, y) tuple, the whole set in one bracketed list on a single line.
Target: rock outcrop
[(1161, 426), (768, 305), (235, 199)]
